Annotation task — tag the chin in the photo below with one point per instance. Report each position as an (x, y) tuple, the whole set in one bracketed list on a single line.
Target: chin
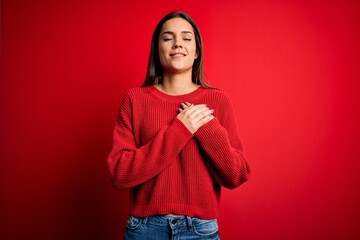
[(179, 68)]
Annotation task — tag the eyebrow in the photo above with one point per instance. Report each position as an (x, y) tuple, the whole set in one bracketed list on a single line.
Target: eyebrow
[(172, 33)]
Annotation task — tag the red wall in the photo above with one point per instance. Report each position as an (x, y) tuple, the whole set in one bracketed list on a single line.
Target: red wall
[(291, 68)]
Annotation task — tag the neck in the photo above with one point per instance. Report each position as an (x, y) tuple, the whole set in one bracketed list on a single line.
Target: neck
[(177, 84)]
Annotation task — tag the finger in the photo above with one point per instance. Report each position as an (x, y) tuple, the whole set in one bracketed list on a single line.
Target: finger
[(184, 110), (187, 104), (190, 112), (206, 119), (202, 115), (195, 109), (183, 105), (198, 113)]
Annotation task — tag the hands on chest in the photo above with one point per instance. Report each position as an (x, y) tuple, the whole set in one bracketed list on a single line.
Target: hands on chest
[(194, 116)]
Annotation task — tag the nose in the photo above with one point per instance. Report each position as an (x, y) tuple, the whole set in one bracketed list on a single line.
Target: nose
[(177, 43)]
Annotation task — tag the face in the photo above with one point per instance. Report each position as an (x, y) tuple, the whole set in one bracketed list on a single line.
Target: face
[(177, 46)]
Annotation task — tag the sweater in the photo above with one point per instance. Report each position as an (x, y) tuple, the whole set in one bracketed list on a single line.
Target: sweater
[(168, 169)]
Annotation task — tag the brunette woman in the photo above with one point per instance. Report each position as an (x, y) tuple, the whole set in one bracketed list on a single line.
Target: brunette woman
[(175, 141)]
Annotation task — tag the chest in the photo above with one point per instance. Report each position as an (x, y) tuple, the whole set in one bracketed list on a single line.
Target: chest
[(149, 119)]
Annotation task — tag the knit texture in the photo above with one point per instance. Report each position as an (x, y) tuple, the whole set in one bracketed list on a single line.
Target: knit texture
[(168, 169)]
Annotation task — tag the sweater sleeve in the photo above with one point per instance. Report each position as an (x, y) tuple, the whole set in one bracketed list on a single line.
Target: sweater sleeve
[(221, 143), (129, 165)]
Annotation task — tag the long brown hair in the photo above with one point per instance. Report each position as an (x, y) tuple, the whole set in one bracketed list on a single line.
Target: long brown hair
[(155, 71)]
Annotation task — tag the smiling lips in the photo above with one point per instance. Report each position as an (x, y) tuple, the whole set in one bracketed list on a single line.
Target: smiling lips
[(177, 54)]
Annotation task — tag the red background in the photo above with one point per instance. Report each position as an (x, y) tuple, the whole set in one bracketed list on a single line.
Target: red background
[(290, 67)]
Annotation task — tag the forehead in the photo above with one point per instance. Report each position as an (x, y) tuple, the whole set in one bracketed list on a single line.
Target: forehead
[(177, 25)]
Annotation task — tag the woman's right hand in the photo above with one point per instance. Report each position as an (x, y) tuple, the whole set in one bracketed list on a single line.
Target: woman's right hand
[(194, 116)]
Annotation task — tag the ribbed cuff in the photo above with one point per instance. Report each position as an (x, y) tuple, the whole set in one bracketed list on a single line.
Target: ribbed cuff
[(180, 130), (208, 130)]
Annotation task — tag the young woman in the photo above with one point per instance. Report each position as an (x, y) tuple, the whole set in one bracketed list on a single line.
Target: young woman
[(175, 141)]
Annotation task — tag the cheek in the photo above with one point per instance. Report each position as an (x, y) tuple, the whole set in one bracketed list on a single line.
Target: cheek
[(162, 56), (193, 51), (164, 48), (162, 52)]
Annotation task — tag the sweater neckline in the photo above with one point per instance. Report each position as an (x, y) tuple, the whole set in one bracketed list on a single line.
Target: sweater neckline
[(176, 98)]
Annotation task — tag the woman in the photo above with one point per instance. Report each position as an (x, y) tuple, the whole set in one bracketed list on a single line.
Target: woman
[(175, 141)]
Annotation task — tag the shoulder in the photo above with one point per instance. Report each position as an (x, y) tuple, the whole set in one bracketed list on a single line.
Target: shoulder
[(136, 93), (218, 96), (131, 98)]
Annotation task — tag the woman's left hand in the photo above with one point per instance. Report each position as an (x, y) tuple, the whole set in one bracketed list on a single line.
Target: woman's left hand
[(194, 116)]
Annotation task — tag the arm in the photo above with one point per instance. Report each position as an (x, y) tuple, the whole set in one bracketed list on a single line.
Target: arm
[(221, 143), (130, 166)]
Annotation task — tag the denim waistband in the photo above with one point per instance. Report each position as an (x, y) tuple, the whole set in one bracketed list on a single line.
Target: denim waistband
[(169, 220), (175, 225)]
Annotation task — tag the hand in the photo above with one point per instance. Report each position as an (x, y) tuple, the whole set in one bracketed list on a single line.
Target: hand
[(194, 116)]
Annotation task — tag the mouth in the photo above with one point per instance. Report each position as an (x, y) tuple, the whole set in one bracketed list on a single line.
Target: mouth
[(177, 54)]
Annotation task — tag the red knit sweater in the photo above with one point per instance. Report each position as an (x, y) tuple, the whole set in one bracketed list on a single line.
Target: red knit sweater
[(168, 169)]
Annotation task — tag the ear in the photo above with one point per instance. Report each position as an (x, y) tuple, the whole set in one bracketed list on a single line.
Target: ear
[(196, 54)]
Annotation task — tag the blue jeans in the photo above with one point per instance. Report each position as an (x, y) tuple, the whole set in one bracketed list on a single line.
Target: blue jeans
[(162, 227)]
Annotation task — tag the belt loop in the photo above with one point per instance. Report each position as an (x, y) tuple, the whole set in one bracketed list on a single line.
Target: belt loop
[(144, 220), (189, 222)]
